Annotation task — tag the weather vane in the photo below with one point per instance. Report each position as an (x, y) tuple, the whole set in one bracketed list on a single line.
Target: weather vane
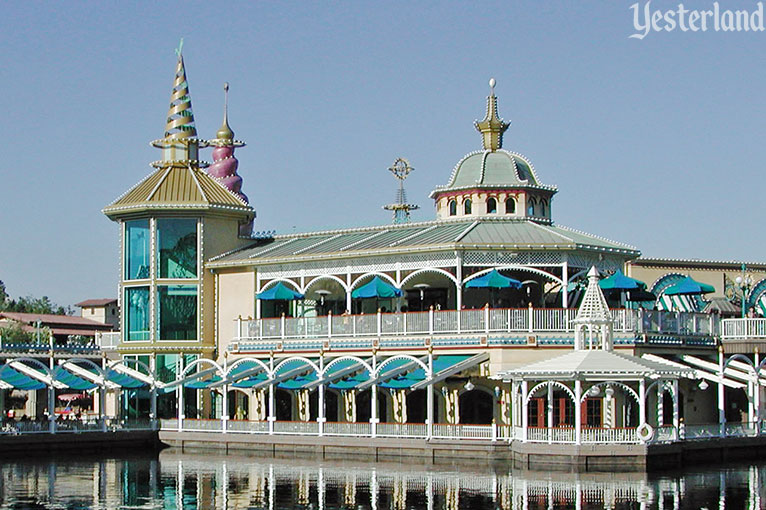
[(401, 169)]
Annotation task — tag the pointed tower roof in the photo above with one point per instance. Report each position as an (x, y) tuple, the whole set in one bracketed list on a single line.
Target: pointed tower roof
[(180, 123), (593, 308), (179, 183), (492, 127)]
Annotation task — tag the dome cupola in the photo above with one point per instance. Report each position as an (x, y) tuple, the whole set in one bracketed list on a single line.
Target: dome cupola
[(494, 181)]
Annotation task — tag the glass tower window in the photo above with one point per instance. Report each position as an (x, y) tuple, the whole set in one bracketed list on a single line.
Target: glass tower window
[(137, 313), (177, 248), (137, 250), (177, 312)]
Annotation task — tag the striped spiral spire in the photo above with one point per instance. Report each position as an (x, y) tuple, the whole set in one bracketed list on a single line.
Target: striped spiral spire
[(180, 123)]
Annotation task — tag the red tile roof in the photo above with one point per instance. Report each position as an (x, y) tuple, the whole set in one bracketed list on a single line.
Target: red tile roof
[(96, 302)]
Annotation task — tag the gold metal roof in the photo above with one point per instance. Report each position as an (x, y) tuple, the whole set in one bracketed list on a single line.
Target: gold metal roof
[(178, 188)]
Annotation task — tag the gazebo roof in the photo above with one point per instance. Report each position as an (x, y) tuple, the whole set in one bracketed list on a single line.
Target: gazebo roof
[(595, 364)]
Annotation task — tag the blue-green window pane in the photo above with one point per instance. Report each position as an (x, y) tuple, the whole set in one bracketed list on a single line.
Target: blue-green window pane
[(177, 312), (137, 249), (167, 365), (177, 248), (137, 313)]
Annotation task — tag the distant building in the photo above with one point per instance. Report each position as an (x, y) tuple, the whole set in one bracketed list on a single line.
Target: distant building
[(62, 327), (106, 311)]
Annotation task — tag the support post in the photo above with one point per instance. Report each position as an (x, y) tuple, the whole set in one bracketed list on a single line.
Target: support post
[(152, 395), (676, 408), (430, 394), (549, 417), (564, 285), (320, 396), (642, 401), (757, 396), (180, 399), (524, 410), (271, 418), (721, 397), (578, 411)]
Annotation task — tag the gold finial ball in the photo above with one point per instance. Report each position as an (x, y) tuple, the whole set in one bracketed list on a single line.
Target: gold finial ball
[(492, 83)]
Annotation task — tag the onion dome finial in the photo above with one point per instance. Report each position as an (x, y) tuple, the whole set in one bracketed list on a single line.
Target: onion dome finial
[(225, 133), (492, 127)]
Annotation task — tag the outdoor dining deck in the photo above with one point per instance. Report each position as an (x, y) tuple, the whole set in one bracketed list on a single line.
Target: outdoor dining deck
[(484, 320)]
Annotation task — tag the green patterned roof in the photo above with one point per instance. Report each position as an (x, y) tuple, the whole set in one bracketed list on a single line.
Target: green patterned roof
[(465, 234)]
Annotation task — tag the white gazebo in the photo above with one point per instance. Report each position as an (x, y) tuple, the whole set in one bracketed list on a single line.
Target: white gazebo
[(593, 394)]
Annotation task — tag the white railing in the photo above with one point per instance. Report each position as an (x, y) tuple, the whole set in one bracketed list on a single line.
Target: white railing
[(472, 321), (447, 431), (664, 434), (194, 425), (551, 435), (306, 428), (332, 428), (109, 340), (611, 435), (248, 427), (413, 430), (743, 328)]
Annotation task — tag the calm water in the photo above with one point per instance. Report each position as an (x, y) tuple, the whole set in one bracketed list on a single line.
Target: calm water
[(173, 480)]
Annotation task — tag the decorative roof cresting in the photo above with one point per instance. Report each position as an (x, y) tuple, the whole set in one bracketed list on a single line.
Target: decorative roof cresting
[(492, 127)]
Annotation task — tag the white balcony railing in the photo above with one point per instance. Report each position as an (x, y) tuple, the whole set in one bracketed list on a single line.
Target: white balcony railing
[(485, 320), (739, 329)]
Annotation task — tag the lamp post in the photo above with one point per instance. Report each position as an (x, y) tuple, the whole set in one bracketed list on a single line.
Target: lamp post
[(744, 282)]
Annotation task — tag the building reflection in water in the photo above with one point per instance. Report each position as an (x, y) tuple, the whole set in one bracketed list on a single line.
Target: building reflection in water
[(192, 481)]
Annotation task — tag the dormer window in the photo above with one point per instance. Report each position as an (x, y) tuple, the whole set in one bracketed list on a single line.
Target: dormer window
[(453, 207), (467, 206), (491, 206), (543, 207), (531, 207), (510, 205)]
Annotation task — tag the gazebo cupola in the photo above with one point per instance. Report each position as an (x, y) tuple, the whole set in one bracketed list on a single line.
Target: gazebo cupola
[(594, 324), (494, 181)]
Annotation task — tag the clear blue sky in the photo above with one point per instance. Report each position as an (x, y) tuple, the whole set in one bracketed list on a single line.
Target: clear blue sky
[(658, 143)]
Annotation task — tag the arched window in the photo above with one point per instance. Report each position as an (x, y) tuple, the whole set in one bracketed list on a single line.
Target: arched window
[(531, 207), (543, 207), (491, 206), (452, 207), (467, 206), (510, 205)]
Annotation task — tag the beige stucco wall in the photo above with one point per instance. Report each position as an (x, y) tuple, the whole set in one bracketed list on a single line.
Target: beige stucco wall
[(236, 298)]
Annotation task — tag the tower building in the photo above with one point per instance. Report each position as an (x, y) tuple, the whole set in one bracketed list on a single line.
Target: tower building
[(171, 223)]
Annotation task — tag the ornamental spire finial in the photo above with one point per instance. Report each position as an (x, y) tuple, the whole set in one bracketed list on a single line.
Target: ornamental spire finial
[(225, 133), (180, 123), (492, 127)]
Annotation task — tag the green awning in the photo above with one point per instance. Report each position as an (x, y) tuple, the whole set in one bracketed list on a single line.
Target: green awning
[(18, 380)]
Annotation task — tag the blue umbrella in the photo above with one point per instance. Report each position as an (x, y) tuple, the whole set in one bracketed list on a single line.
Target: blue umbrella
[(689, 287), (279, 292), (376, 288), (494, 280), (619, 281)]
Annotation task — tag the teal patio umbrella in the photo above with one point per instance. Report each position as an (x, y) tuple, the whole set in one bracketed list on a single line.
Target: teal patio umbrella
[(493, 280), (279, 292), (618, 281), (689, 287), (376, 288)]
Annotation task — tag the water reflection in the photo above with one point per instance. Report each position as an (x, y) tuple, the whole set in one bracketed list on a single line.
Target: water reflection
[(195, 481)]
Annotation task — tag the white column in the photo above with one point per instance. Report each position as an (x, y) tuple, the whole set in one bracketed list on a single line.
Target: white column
[(373, 409), (565, 278), (721, 398), (180, 399), (459, 286), (430, 396), (578, 411), (550, 413), (642, 401), (320, 397), (524, 410), (271, 418), (152, 389), (225, 406), (757, 396), (676, 404)]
